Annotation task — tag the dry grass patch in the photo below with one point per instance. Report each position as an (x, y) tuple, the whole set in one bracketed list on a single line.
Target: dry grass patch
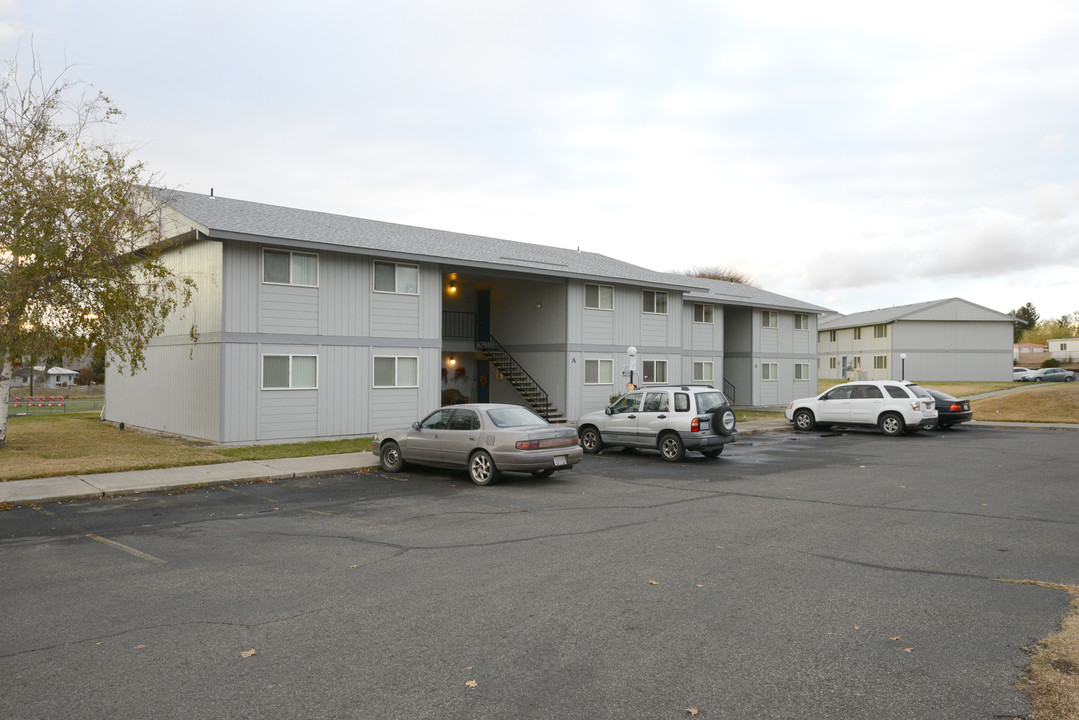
[(1056, 403), (1052, 680), (74, 444)]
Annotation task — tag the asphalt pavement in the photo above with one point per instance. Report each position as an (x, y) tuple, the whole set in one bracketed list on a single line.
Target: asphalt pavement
[(92, 485)]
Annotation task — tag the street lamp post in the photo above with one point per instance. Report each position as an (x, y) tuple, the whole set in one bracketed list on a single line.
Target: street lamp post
[(632, 352), (903, 366)]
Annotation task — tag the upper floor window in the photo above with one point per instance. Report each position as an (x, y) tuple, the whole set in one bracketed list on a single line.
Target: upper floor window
[(289, 372), (655, 371), (598, 372), (284, 267), (397, 278), (598, 297), (655, 301), (801, 321), (769, 319), (831, 336), (880, 331), (857, 333), (703, 313)]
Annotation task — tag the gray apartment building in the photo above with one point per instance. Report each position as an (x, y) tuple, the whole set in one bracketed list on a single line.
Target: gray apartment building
[(314, 325)]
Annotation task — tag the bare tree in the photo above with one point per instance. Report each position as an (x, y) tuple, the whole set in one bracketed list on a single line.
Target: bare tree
[(722, 272), (80, 232)]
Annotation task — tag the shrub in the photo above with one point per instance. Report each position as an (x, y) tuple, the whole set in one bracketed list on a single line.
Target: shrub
[(1051, 362)]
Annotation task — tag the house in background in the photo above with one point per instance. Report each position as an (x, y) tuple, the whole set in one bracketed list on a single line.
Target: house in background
[(314, 325), (53, 377), (1064, 349), (950, 339)]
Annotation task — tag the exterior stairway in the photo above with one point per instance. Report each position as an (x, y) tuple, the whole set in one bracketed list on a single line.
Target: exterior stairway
[(519, 378)]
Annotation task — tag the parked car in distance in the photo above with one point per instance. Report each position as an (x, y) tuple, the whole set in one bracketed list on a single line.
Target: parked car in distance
[(950, 411), (485, 439), (893, 406), (669, 418), (1049, 375), (1019, 372)]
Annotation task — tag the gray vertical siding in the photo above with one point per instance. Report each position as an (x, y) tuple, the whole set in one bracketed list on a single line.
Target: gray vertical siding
[(240, 382)]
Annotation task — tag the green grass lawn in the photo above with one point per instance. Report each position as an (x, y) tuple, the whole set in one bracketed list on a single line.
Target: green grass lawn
[(70, 443)]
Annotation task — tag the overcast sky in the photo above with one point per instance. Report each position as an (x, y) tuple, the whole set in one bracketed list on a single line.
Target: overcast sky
[(855, 154)]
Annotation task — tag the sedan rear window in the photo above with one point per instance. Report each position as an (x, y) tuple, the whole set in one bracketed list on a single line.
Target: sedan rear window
[(514, 417), (920, 391)]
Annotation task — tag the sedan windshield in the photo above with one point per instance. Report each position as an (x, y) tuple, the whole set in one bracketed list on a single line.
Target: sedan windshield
[(514, 417)]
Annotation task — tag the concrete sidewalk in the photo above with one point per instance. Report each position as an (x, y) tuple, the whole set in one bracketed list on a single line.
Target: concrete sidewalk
[(81, 487)]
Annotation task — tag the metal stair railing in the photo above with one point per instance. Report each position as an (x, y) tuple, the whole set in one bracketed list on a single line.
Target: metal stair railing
[(728, 390), (518, 377)]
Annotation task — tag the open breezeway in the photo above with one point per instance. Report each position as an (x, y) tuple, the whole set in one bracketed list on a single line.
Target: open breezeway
[(799, 575)]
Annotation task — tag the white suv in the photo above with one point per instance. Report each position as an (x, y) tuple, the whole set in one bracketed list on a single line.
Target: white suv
[(895, 407), (668, 418)]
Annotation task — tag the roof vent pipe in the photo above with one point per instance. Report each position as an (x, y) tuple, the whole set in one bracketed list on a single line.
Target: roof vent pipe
[(211, 192)]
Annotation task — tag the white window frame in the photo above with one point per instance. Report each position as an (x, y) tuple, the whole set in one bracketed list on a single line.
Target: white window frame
[(801, 321), (769, 319), (655, 301), (880, 331), (706, 312), (291, 357), (769, 371), (291, 266), (656, 366), (856, 362), (599, 297), (831, 336), (880, 362), (702, 365), (396, 277), (599, 364), (801, 371), (396, 370), (857, 333), (831, 363)]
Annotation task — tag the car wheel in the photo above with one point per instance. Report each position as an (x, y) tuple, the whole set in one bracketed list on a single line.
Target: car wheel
[(671, 447), (803, 420), (1069, 379), (1037, 379), (481, 468), (933, 426), (591, 440), (543, 473), (390, 457), (944, 426), (713, 453), (892, 424)]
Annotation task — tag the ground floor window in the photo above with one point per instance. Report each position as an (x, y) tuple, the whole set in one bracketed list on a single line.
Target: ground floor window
[(702, 371), (880, 362), (396, 372), (655, 371), (769, 371), (831, 363), (289, 372), (598, 372), (801, 371)]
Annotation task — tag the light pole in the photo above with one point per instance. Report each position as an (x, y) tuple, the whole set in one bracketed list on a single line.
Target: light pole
[(903, 366), (632, 352)]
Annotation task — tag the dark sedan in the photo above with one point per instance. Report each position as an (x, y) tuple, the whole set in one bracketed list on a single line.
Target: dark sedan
[(482, 438), (950, 410)]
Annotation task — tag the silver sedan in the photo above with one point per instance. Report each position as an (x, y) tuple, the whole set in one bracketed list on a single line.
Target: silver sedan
[(483, 438)]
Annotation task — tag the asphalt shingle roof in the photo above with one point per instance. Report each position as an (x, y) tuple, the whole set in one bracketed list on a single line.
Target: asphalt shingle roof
[(243, 220), (888, 315)]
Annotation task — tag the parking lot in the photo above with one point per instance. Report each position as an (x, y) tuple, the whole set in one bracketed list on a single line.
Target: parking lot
[(798, 575)]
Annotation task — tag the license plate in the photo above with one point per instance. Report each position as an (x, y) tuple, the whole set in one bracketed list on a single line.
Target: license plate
[(559, 460)]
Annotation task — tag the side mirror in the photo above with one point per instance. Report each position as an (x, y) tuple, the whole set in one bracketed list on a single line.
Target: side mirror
[(607, 410), (416, 425)]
